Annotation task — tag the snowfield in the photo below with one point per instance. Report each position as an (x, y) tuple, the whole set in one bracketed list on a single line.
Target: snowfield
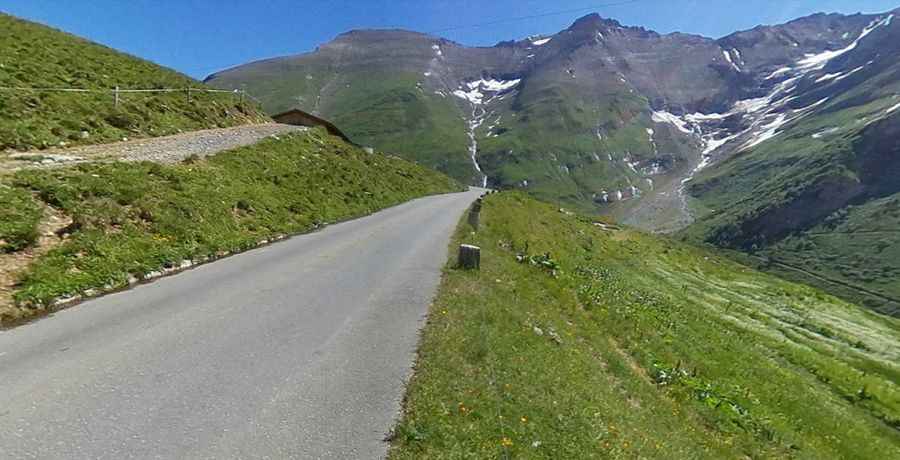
[(819, 61), (474, 91), (674, 120)]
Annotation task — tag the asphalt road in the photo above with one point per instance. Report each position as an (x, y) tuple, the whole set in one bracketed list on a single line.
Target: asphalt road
[(296, 350)]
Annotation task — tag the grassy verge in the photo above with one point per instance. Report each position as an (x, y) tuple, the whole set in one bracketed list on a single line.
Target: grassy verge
[(19, 218), (133, 219), (578, 342)]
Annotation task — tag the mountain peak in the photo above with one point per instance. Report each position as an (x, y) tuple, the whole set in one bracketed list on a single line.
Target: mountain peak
[(593, 21), (381, 34)]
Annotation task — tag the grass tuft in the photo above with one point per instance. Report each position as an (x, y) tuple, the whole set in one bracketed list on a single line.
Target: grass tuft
[(19, 219)]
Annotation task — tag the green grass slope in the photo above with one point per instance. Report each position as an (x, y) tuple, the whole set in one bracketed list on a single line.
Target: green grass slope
[(820, 198), (392, 112), (134, 219), (35, 56), (19, 218), (575, 341), (379, 104), (548, 139), (854, 254)]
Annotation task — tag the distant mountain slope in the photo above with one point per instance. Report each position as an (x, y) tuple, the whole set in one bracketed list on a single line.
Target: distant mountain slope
[(591, 116), (35, 56), (369, 84), (811, 179), (557, 116), (758, 139)]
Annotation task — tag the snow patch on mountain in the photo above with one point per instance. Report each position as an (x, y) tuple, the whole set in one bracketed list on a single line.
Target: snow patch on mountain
[(825, 132), (752, 105), (771, 129), (762, 118), (779, 72), (632, 165), (674, 120), (828, 76), (541, 42), (767, 132), (475, 97), (713, 144), (819, 61), (494, 85), (704, 162), (728, 58), (892, 109), (701, 117), (474, 91)]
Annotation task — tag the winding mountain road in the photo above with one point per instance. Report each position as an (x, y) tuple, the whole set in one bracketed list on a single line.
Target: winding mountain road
[(295, 350)]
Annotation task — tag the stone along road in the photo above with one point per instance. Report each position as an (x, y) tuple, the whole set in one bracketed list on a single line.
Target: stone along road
[(296, 350)]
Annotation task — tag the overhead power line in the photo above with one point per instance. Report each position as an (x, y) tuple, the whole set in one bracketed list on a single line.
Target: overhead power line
[(534, 16)]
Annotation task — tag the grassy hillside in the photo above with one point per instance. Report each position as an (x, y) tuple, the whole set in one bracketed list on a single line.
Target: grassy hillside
[(854, 254), (548, 139), (859, 244), (821, 197), (578, 341), (383, 108), (130, 220), (390, 111), (35, 56)]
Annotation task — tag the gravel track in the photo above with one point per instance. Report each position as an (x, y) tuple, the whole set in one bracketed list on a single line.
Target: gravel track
[(167, 149)]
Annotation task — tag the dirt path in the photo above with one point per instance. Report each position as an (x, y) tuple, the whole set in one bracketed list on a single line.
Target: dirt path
[(167, 149)]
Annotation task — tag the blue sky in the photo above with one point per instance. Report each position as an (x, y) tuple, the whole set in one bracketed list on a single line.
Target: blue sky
[(199, 37)]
